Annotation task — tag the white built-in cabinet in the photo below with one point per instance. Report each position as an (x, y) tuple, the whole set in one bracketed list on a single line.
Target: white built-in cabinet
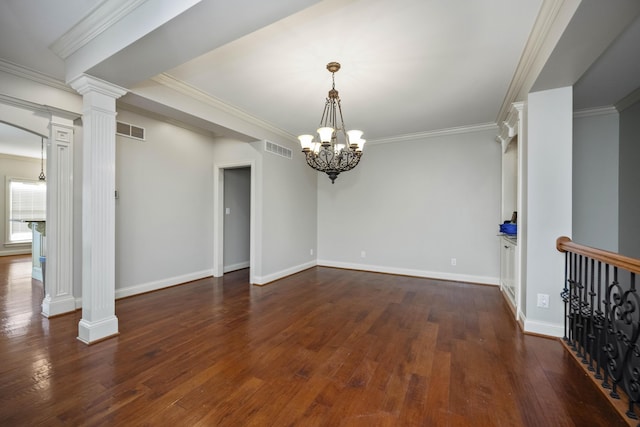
[(508, 268), (511, 138)]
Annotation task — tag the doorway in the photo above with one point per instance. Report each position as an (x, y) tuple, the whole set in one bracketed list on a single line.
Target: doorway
[(23, 202), (234, 218), (237, 210)]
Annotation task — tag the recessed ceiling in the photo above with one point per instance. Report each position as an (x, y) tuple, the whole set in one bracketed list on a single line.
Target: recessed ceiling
[(408, 66)]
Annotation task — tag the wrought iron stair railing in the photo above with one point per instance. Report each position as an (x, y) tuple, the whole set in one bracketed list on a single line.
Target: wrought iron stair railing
[(602, 318)]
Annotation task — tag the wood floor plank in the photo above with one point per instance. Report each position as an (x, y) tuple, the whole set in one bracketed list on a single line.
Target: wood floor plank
[(325, 347)]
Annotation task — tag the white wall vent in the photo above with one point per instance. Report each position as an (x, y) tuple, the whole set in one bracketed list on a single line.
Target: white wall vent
[(129, 130), (276, 149)]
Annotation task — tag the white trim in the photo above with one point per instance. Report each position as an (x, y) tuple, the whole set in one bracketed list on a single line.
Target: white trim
[(543, 328), (35, 76), (485, 280), (435, 133), (263, 280), (234, 267), (23, 251), (590, 112), (161, 284), (550, 23), (184, 88), (103, 17), (628, 100)]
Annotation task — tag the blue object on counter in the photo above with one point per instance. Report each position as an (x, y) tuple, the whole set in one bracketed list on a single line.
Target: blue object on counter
[(509, 228)]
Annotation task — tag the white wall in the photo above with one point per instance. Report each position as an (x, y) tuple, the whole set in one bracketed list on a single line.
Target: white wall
[(237, 200), (412, 206), (629, 232), (595, 180), (549, 204), (165, 206), (14, 167)]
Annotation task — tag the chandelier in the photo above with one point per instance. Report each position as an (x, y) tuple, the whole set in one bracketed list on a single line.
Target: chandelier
[(339, 150)]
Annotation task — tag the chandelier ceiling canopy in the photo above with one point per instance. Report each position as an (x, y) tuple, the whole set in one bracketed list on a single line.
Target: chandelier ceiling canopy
[(337, 150)]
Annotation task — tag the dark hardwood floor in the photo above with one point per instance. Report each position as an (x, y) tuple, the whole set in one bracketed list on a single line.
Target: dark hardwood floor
[(324, 347)]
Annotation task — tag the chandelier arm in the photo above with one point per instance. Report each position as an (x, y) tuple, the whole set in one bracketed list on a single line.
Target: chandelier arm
[(344, 129)]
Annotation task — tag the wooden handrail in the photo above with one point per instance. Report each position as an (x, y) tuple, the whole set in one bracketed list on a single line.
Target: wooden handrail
[(564, 244)]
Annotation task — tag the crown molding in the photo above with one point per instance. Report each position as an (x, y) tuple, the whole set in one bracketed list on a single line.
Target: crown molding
[(41, 108), (190, 91), (33, 75), (509, 128), (628, 100), (591, 112), (435, 133), (105, 15), (536, 51)]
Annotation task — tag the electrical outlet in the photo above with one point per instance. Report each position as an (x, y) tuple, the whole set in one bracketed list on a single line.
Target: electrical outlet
[(311, 251), (363, 254), (543, 300), (454, 261)]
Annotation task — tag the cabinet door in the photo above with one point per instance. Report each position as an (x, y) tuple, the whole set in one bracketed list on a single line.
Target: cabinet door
[(507, 269)]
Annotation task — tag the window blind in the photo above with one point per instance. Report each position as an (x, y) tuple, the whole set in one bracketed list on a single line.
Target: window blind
[(27, 200)]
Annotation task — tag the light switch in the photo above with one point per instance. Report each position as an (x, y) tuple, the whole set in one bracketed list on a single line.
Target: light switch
[(227, 211)]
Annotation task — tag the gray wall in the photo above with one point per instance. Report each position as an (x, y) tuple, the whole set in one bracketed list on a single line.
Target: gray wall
[(285, 211), (629, 193), (165, 206), (595, 180), (289, 220), (412, 206), (237, 200)]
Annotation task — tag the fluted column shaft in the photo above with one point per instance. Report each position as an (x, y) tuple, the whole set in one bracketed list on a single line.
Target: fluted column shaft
[(59, 297), (98, 208)]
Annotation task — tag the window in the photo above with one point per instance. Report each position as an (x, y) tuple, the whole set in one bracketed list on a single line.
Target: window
[(27, 200)]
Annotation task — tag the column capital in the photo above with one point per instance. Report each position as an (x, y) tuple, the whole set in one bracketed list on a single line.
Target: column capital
[(85, 83)]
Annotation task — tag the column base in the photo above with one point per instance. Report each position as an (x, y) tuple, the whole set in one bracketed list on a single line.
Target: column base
[(90, 332), (54, 307)]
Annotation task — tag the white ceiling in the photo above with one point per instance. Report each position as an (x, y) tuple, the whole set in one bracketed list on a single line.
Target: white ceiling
[(408, 66)]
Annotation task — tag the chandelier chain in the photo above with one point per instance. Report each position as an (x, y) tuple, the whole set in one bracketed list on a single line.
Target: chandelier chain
[(42, 177)]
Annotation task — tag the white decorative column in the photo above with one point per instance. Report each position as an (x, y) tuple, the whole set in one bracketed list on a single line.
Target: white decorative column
[(58, 281), (549, 203), (98, 208)]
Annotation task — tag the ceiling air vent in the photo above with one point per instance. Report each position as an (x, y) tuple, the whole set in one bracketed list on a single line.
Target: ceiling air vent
[(278, 150), (130, 131)]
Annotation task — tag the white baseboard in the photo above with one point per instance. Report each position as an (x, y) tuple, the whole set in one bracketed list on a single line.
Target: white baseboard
[(485, 280), (10, 252), (263, 280), (160, 284), (543, 328), (237, 266)]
